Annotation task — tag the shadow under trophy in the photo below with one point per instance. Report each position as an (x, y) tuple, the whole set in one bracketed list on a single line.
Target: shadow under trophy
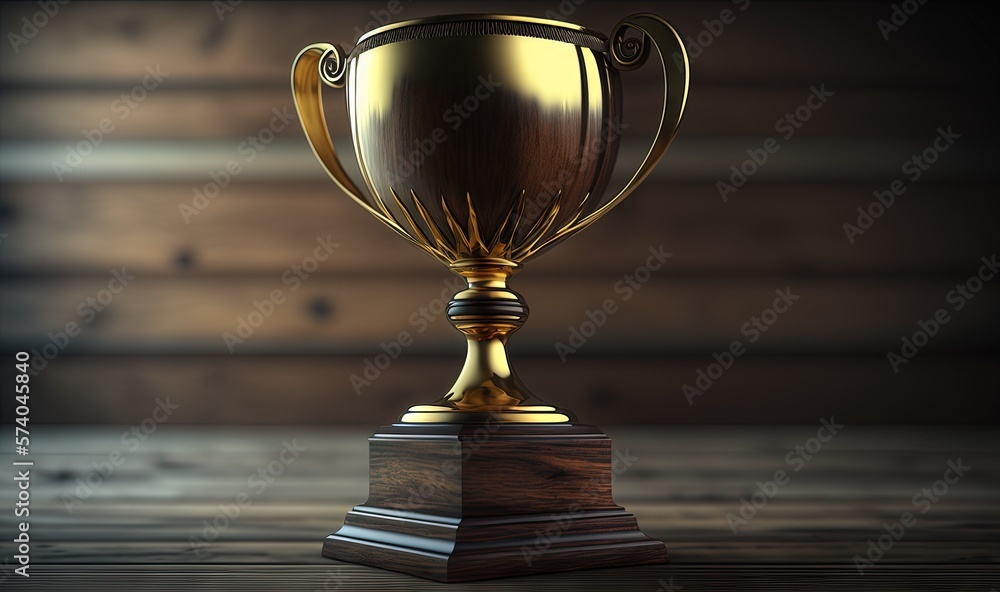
[(489, 480)]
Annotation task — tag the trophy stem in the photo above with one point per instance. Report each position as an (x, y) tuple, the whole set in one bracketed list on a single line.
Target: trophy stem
[(487, 313)]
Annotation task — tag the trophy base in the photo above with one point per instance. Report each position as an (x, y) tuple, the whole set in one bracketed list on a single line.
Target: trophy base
[(463, 502)]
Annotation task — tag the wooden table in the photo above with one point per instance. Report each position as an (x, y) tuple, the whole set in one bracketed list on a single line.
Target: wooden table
[(143, 526)]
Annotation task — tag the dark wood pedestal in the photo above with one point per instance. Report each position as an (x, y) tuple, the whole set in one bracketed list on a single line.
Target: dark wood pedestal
[(456, 502)]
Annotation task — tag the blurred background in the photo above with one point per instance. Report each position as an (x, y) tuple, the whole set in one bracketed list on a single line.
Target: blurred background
[(157, 190)]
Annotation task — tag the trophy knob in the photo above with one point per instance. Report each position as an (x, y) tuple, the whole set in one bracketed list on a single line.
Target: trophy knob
[(627, 53), (333, 66)]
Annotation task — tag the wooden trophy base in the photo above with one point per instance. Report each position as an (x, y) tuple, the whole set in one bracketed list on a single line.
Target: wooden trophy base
[(457, 502)]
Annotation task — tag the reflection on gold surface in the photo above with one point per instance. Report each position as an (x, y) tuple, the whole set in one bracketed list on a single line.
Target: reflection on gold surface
[(484, 141)]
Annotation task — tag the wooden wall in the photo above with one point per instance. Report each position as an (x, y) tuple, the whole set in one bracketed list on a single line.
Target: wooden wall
[(61, 241)]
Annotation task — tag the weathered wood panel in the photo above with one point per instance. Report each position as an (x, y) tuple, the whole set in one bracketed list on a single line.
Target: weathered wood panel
[(262, 228), (714, 110), (600, 389), (290, 160), (784, 228), (352, 314)]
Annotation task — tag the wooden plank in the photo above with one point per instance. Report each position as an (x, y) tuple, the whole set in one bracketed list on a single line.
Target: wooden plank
[(326, 314), (262, 228), (680, 484), (257, 41), (165, 113), (712, 110), (600, 389), (290, 159), (268, 543)]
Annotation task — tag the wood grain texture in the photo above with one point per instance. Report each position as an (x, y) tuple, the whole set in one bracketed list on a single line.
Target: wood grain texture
[(332, 315), (134, 529), (263, 228), (471, 471), (289, 160), (205, 112), (604, 388), (777, 578), (785, 227), (256, 42)]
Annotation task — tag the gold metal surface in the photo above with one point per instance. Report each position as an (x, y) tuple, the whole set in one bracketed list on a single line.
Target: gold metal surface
[(485, 140), (487, 389)]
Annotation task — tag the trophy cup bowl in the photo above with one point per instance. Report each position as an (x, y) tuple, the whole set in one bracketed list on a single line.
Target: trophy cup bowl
[(485, 140)]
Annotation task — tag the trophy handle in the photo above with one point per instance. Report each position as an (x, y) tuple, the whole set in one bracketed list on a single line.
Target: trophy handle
[(629, 54), (327, 63)]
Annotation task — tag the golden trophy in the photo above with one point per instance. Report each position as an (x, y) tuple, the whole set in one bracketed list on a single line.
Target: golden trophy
[(485, 140)]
